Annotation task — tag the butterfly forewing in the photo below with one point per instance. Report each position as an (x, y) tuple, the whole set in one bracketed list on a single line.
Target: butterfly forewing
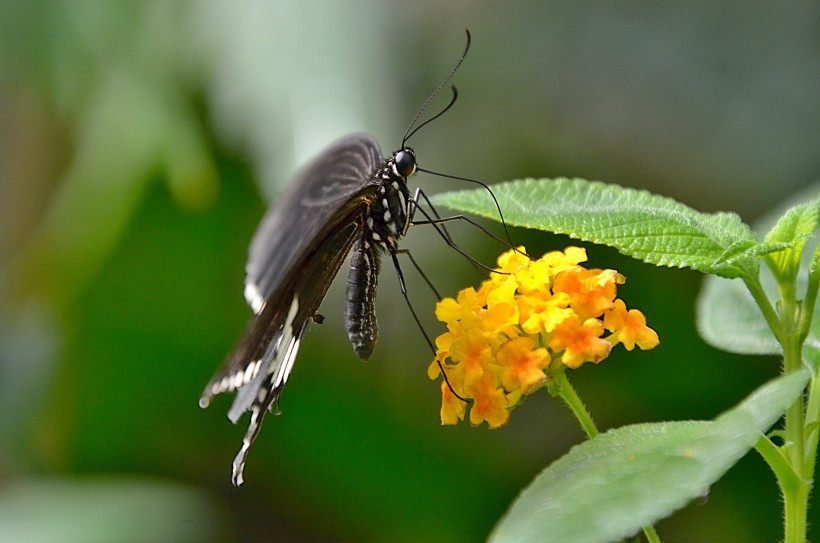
[(316, 201), (294, 256), (325, 195)]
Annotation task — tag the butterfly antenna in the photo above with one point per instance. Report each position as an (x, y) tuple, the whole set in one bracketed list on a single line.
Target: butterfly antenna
[(433, 118), (410, 131)]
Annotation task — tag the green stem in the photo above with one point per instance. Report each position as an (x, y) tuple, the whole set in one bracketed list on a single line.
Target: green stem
[(810, 300), (803, 457), (651, 534), (792, 466), (789, 324), (795, 498), (573, 401), (794, 510), (769, 313), (812, 424), (783, 470)]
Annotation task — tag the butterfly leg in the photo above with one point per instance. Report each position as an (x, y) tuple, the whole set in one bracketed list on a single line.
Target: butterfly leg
[(403, 289)]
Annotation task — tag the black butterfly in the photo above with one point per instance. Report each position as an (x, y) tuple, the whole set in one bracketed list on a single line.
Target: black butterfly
[(349, 199)]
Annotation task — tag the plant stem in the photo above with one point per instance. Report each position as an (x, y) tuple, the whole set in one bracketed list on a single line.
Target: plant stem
[(812, 424), (790, 323), (790, 329), (762, 301), (573, 401), (651, 534)]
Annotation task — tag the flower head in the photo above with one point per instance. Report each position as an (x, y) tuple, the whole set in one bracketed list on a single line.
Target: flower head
[(530, 318)]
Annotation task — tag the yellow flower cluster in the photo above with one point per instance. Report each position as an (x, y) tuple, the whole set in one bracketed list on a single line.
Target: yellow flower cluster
[(502, 339)]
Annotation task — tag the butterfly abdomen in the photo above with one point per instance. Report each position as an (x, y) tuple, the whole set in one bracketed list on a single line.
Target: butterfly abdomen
[(388, 217), (360, 306)]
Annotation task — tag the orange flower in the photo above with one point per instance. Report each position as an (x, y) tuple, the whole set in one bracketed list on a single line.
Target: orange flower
[(530, 319), (464, 310), (591, 291), (473, 353), (581, 342), (489, 403), (523, 365), (539, 314), (629, 328), (452, 409)]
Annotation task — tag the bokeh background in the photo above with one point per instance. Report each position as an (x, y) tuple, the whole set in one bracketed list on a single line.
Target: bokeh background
[(140, 143)]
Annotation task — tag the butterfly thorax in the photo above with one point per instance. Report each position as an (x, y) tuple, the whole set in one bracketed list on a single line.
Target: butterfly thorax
[(388, 218), (389, 215)]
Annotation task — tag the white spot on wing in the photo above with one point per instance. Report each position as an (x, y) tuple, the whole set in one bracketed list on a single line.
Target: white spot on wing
[(254, 298), (288, 338), (242, 455), (290, 357), (239, 379), (249, 372)]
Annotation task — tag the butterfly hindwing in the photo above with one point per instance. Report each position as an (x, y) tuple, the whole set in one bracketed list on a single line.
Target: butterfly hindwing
[(275, 335)]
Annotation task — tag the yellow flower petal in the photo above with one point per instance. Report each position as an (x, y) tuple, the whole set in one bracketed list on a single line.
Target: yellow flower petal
[(452, 409), (523, 365), (629, 328), (489, 403), (581, 342)]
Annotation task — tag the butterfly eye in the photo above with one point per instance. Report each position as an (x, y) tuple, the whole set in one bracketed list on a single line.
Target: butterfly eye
[(405, 162)]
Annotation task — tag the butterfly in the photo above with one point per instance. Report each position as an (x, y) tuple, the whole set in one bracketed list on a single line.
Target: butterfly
[(348, 200)]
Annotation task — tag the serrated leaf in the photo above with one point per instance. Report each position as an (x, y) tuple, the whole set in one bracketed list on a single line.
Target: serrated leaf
[(727, 316), (652, 228), (746, 250), (794, 228), (607, 488)]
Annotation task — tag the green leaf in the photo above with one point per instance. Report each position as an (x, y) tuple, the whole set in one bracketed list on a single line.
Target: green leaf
[(607, 488), (727, 317), (745, 250), (795, 228), (652, 228)]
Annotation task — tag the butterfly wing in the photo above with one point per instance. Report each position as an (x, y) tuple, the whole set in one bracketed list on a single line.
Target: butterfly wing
[(320, 191), (294, 256)]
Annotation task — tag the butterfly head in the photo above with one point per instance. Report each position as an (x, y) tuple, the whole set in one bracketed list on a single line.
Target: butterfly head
[(404, 162)]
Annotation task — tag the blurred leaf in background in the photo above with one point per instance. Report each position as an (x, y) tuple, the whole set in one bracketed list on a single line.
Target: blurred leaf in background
[(140, 143)]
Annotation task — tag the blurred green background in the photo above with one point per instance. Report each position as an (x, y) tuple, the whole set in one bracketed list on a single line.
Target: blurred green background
[(140, 143)]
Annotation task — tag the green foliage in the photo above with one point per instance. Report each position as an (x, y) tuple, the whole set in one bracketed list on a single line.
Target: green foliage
[(607, 488), (728, 317), (795, 228), (652, 228), (641, 474)]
